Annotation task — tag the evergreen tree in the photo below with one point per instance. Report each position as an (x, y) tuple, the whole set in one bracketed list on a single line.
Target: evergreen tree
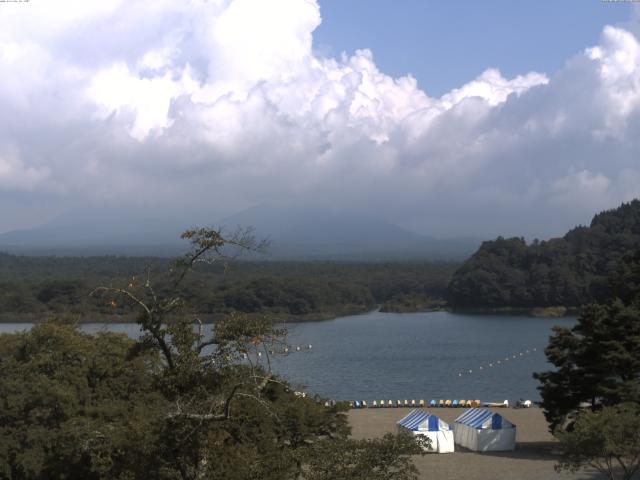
[(598, 360), (607, 441)]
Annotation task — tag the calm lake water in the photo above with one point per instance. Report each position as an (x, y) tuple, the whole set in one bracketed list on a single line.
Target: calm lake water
[(410, 355)]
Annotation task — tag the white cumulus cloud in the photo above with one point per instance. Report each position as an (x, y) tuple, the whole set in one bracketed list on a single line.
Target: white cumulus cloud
[(220, 105)]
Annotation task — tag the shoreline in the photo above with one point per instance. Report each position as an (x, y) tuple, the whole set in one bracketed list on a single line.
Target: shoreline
[(538, 312), (535, 312)]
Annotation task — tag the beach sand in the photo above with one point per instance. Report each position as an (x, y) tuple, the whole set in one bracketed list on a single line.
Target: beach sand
[(533, 459)]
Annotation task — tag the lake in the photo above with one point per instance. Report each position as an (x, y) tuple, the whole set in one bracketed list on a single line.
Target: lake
[(410, 355)]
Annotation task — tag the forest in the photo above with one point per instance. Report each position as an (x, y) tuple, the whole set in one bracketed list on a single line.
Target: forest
[(34, 287), (568, 271)]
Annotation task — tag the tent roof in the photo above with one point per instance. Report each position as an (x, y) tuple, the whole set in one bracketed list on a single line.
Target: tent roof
[(419, 420), (481, 418)]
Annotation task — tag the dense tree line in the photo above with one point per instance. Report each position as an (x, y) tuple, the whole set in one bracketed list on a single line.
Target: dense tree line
[(567, 271), (36, 286)]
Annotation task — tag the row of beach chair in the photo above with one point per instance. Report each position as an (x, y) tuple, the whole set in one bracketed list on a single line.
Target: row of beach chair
[(459, 403), (413, 404)]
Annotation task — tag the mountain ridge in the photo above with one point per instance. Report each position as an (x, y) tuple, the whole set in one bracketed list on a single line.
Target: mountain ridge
[(296, 233)]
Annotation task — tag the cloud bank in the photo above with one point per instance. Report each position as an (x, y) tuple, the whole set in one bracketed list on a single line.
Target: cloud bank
[(208, 107)]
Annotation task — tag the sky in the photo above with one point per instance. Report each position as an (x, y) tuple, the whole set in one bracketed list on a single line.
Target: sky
[(445, 44), (449, 118)]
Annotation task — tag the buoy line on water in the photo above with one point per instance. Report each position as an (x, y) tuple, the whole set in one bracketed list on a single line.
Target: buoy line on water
[(497, 363), (283, 351)]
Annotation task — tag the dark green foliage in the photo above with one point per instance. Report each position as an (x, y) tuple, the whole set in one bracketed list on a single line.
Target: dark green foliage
[(19, 298), (377, 459), (598, 360), (289, 296), (607, 441), (74, 405), (177, 404), (31, 286), (413, 302), (568, 271)]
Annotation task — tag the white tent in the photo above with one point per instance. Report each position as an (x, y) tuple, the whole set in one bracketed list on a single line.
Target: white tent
[(483, 431), (423, 423)]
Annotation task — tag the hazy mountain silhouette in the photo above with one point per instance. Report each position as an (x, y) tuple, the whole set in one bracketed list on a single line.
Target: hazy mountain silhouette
[(296, 233), (84, 232), (314, 233)]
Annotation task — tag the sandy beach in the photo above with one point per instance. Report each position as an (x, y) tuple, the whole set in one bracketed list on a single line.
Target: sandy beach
[(533, 459)]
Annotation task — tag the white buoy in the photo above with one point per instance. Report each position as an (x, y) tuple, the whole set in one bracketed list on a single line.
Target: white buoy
[(470, 371), (491, 364), (480, 367), (310, 347), (298, 349), (459, 374)]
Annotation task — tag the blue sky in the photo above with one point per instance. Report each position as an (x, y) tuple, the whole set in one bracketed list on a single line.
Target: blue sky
[(446, 43), (461, 118)]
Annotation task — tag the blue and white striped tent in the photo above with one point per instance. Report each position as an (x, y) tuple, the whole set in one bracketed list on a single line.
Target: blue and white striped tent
[(483, 430), (431, 426), (418, 420)]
